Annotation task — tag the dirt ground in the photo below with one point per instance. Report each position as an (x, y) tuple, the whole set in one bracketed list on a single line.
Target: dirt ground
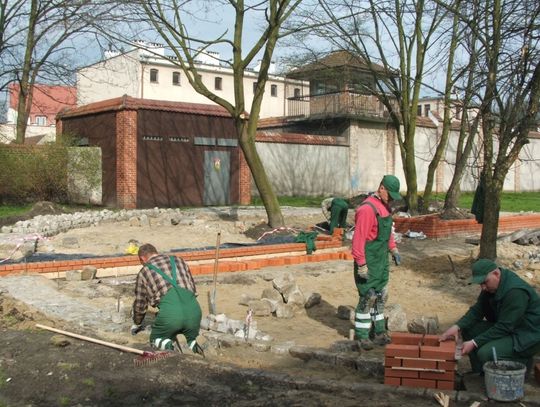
[(432, 281)]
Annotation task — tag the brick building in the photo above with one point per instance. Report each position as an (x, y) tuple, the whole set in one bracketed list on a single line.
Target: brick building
[(158, 153)]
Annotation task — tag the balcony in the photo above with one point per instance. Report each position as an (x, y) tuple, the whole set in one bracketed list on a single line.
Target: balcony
[(336, 104)]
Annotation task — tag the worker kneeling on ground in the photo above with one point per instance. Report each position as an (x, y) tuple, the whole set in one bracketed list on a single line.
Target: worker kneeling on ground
[(506, 316), (371, 244), (335, 210), (166, 282)]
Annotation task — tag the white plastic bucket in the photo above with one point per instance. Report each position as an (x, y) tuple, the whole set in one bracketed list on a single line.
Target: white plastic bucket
[(504, 380)]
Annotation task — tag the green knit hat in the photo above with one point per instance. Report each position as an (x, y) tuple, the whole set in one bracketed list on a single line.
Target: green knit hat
[(391, 183), (480, 269)]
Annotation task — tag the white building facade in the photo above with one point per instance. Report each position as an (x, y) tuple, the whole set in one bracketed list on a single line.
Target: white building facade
[(147, 73)]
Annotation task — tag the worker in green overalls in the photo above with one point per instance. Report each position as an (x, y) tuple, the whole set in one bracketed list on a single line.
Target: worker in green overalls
[(166, 282), (505, 319), (371, 244), (335, 210)]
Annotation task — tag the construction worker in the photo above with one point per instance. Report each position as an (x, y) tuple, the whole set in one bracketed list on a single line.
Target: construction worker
[(372, 241), (335, 210), (165, 282), (505, 317)]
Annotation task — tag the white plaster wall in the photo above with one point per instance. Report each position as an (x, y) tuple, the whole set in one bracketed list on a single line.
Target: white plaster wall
[(8, 133), (126, 74), (305, 169), (111, 78), (529, 167), (368, 157)]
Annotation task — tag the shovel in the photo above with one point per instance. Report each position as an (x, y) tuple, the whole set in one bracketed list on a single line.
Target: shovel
[(212, 296)]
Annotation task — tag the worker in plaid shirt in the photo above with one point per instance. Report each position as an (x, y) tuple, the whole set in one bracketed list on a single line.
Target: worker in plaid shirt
[(165, 282)]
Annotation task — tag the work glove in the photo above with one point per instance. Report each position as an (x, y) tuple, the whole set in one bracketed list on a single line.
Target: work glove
[(396, 257), (363, 271), (135, 329)]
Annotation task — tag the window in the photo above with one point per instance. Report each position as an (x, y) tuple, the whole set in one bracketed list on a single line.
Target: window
[(41, 120), (426, 110), (176, 78), (154, 75), (419, 110), (217, 83), (254, 87), (296, 92), (273, 90)]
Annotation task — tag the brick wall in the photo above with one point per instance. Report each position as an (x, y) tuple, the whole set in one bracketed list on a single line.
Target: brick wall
[(415, 360), (126, 159), (244, 179), (435, 227)]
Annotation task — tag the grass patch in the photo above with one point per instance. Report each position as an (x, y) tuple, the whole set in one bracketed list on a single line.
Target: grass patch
[(296, 201), (510, 201), (89, 382), (64, 401), (12, 210)]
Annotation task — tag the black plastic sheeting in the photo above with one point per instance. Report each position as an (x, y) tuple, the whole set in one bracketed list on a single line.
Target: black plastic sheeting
[(39, 257)]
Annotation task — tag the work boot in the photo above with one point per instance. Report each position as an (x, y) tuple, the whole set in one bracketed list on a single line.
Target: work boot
[(382, 339), (365, 344)]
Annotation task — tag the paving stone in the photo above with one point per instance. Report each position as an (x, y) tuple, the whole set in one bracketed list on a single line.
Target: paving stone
[(284, 311), (324, 356), (260, 346), (345, 312), (302, 352), (282, 348), (345, 346), (312, 299), (88, 273), (73, 275), (272, 294), (397, 318), (260, 308)]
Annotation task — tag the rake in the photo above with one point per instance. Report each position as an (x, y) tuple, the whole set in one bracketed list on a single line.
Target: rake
[(144, 358)]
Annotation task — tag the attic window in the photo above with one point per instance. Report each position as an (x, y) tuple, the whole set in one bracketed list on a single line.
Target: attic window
[(41, 120), (176, 78), (154, 75), (152, 138)]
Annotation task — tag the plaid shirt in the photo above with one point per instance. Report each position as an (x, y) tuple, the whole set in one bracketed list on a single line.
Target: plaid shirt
[(150, 286)]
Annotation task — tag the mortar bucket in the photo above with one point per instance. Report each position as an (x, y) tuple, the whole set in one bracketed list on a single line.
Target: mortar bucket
[(504, 380)]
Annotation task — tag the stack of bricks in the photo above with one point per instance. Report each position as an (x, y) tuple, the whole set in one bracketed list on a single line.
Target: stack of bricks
[(415, 360)]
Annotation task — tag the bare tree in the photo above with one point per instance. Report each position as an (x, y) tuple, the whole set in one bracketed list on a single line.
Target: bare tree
[(10, 13), (398, 35), (509, 70), (168, 18), (46, 27)]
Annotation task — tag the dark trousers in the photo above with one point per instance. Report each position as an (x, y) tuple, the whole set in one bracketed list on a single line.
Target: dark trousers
[(504, 348)]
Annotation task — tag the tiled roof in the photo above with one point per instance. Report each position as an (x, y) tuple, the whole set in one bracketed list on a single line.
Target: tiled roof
[(130, 103), (337, 59), (46, 99)]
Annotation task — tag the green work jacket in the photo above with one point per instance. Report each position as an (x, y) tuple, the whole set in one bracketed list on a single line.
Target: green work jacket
[(514, 309)]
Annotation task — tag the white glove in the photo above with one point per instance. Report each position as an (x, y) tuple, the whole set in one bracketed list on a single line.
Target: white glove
[(363, 272)]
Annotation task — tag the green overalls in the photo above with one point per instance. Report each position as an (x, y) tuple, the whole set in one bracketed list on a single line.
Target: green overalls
[(372, 291), (338, 214), (179, 313)]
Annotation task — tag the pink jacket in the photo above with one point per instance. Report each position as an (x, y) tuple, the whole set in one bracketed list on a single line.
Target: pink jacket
[(366, 229)]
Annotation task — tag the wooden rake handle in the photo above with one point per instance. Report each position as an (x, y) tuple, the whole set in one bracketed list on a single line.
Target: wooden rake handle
[(88, 339)]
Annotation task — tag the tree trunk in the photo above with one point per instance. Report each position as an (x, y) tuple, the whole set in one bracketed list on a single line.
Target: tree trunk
[(490, 226), (269, 198)]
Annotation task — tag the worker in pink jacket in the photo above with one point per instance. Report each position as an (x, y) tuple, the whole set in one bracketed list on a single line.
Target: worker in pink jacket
[(372, 242)]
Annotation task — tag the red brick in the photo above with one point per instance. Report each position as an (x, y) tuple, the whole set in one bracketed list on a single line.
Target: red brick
[(392, 381), (444, 385), (420, 363), (435, 352), (404, 338), (392, 362), (451, 375), (397, 372), (405, 351), (430, 340), (421, 383)]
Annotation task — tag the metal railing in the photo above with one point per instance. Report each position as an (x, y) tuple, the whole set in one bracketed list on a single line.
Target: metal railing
[(336, 104)]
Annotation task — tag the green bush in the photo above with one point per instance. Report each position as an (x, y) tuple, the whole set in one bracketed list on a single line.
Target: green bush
[(33, 173)]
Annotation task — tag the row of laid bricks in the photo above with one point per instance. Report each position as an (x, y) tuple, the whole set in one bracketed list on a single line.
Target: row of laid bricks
[(415, 360), (435, 227), (323, 242)]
